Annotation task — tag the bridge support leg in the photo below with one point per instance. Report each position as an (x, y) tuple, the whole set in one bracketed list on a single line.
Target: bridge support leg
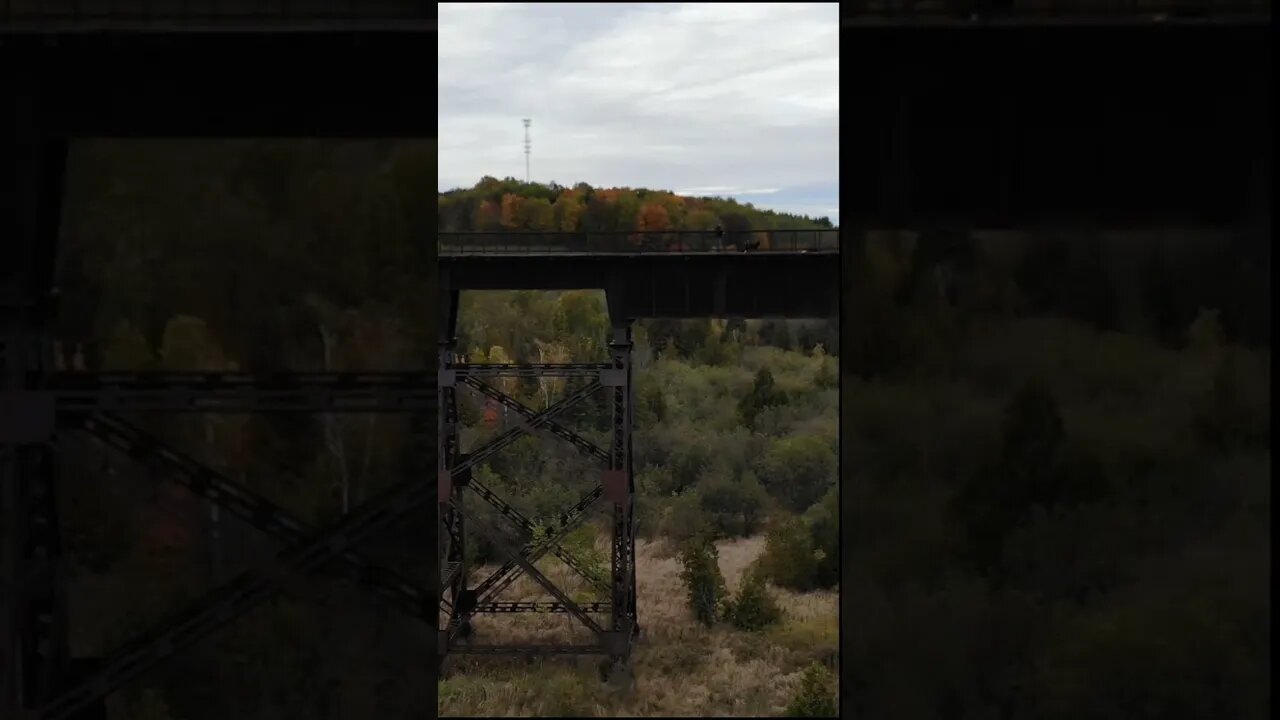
[(619, 489), (452, 529), (34, 646)]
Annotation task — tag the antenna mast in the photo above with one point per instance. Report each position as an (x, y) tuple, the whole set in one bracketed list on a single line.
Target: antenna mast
[(527, 146)]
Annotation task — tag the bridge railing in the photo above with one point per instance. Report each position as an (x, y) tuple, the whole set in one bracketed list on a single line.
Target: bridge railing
[(637, 242)]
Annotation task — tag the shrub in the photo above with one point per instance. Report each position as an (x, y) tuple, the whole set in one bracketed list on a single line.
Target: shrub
[(764, 393), (684, 519), (789, 558), (700, 562), (753, 608), (827, 375), (733, 507), (816, 696), (824, 527), (798, 470)]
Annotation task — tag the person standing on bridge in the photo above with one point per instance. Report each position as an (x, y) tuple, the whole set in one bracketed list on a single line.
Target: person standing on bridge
[(719, 238)]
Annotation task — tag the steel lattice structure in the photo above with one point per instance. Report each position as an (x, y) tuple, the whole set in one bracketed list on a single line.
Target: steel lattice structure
[(44, 108), (618, 625), (86, 401)]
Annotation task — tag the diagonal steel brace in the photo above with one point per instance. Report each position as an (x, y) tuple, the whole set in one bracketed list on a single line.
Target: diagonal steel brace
[(506, 439), (586, 446), (510, 572), (238, 596), (510, 436), (503, 544), (248, 506)]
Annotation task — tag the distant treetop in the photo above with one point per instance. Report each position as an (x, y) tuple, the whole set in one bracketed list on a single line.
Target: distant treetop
[(494, 205)]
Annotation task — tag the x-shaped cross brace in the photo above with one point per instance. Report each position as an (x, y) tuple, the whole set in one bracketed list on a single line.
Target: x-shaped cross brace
[(507, 510), (247, 505), (249, 588)]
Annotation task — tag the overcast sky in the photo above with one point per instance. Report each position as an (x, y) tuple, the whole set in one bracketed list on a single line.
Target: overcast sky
[(736, 100)]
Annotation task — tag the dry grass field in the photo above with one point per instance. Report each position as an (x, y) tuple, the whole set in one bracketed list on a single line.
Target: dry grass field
[(681, 667)]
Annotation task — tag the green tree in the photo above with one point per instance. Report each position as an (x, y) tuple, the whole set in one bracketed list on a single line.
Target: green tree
[(753, 608), (538, 215), (763, 394), (824, 523), (798, 470), (789, 557), (685, 519), (734, 506), (704, 585)]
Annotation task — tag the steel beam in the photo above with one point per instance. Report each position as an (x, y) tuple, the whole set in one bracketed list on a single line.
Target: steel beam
[(624, 624), (530, 370), (538, 607), (34, 649), (255, 510), (505, 545), (243, 393), (584, 445), (238, 596), (528, 650)]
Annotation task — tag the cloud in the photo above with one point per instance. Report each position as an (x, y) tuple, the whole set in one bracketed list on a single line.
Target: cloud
[(742, 99)]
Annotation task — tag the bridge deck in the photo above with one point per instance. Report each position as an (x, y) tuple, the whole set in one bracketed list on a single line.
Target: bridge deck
[(669, 275)]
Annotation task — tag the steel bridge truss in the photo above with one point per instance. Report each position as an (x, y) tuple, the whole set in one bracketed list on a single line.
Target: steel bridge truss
[(85, 402), (617, 627)]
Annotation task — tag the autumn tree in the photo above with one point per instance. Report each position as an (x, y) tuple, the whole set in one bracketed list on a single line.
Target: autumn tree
[(511, 217), (701, 219), (538, 215), (653, 217), (567, 210), (488, 216)]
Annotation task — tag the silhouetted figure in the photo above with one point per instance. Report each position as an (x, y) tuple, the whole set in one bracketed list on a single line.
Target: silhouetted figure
[(719, 237)]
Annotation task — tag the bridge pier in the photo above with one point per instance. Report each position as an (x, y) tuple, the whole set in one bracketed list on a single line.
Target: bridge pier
[(523, 547), (34, 646)]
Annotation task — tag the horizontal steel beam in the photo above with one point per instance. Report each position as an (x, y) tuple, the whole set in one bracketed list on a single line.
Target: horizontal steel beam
[(243, 393), (530, 370), (528, 649), (540, 607)]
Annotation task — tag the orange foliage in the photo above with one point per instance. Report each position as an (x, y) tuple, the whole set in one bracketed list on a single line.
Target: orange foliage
[(653, 217), (511, 211), (568, 210)]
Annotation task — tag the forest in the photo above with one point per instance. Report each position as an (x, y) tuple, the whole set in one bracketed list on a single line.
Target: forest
[(1055, 473), (496, 205), (1054, 453)]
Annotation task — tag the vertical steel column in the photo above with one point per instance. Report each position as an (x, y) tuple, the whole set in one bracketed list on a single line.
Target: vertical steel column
[(619, 489), (452, 525), (33, 630)]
